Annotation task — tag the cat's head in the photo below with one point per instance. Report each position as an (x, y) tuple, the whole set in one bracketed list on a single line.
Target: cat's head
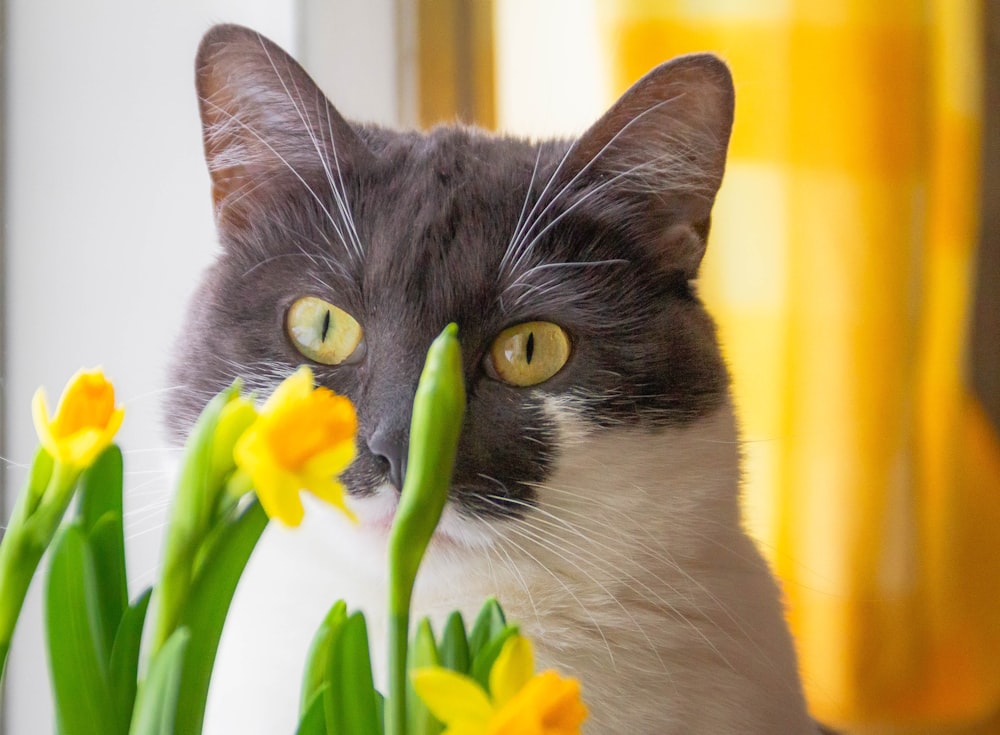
[(567, 266)]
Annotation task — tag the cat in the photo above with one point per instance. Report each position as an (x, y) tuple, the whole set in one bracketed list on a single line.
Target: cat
[(596, 489)]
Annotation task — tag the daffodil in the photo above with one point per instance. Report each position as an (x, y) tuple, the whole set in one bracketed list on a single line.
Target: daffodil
[(519, 702), (302, 440), (83, 426), (85, 422)]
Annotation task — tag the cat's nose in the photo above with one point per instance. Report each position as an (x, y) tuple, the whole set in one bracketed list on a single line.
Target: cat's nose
[(392, 447)]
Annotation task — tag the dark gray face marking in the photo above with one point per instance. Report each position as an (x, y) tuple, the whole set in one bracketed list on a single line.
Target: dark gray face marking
[(408, 232)]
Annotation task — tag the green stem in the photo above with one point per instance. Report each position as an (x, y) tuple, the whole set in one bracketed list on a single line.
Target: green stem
[(33, 524), (395, 716), (18, 561), (438, 412)]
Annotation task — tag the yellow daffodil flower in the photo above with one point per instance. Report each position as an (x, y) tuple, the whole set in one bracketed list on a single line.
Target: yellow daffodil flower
[(85, 422), (302, 440), (520, 702)]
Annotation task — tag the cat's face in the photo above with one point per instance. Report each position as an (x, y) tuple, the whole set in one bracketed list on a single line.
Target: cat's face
[(566, 265)]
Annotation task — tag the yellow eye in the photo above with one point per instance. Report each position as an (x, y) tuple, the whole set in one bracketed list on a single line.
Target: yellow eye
[(529, 353), (321, 331)]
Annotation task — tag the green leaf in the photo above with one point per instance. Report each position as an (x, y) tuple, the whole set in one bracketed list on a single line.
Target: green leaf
[(454, 647), (83, 699), (204, 611), (489, 622), (483, 661), (317, 661), (100, 488), (313, 718), (423, 652), (380, 711), (111, 591), (99, 512), (350, 697), (123, 671), (156, 703)]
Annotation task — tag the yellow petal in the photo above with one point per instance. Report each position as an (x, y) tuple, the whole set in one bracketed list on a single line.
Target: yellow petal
[(513, 669), (278, 492), (43, 427), (296, 386), (456, 700), (330, 492), (332, 461)]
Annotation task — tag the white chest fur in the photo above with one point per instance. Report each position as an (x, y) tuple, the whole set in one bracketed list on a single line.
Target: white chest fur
[(633, 574)]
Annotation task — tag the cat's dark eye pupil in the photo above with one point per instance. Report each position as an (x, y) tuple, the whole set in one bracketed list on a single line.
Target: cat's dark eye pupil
[(529, 349), (326, 326)]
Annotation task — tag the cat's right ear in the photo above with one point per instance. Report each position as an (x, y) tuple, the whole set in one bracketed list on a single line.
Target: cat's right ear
[(267, 127), (658, 155)]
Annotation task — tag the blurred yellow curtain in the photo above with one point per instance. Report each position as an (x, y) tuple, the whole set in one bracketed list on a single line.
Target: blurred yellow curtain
[(839, 268)]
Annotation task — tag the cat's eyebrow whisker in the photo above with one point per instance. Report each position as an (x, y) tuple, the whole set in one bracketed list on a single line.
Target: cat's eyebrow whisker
[(592, 193), (515, 246), (551, 284), (673, 166), (298, 105), (338, 194), (520, 219), (578, 265), (282, 159), (341, 196), (270, 259), (525, 249), (539, 292)]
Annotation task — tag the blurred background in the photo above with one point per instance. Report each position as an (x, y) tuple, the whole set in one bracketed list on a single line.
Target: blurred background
[(853, 266)]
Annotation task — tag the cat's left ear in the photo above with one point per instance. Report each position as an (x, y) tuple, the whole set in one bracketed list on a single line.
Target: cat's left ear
[(658, 155)]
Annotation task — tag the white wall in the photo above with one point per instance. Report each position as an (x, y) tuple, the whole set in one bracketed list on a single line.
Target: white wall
[(552, 76), (108, 224)]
